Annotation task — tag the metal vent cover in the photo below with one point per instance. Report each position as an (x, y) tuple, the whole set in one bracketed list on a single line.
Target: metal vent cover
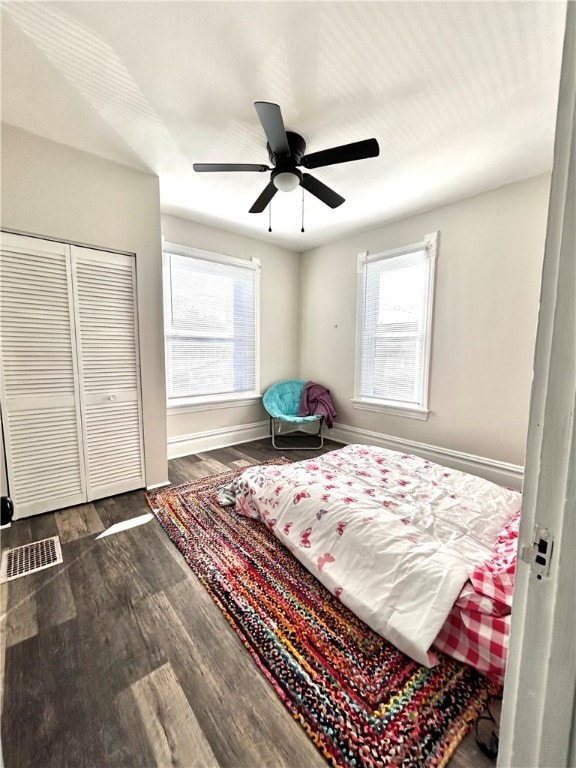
[(30, 558)]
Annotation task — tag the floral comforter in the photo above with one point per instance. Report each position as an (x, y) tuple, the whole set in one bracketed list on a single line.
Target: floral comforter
[(395, 537)]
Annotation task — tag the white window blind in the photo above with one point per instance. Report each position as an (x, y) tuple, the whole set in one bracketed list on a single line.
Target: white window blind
[(394, 325), (210, 307)]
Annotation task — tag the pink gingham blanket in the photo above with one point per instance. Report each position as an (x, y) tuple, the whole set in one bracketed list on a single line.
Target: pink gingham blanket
[(478, 626)]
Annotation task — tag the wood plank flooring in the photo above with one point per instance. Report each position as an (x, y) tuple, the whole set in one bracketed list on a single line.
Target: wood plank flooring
[(118, 657)]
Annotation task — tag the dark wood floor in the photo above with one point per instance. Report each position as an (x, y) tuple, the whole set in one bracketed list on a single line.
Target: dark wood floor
[(119, 658)]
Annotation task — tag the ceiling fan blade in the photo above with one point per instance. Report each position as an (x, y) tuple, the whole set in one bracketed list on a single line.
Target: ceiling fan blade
[(321, 191), (210, 167), (358, 150), (265, 196), (273, 124)]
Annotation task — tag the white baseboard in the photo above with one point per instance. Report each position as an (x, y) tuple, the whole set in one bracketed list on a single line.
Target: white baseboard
[(184, 445), (500, 472), (152, 488)]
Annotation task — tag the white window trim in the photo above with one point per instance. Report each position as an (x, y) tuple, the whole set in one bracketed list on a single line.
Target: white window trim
[(227, 400), (430, 244), (393, 409), (221, 258), (213, 402)]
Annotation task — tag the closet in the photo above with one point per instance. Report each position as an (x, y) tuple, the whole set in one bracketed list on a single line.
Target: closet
[(70, 394)]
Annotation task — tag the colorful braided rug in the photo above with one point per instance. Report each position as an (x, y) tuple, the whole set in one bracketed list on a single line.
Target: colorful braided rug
[(361, 701)]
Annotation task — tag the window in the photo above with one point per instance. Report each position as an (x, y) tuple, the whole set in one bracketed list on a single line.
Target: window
[(395, 291), (210, 325)]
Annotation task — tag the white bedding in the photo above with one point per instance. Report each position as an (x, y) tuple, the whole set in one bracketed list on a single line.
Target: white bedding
[(393, 536)]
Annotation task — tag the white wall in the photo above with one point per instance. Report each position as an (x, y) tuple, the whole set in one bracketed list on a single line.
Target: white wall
[(279, 331), (56, 191), (487, 282), (486, 302)]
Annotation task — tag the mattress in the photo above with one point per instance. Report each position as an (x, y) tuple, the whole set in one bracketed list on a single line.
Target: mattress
[(395, 537)]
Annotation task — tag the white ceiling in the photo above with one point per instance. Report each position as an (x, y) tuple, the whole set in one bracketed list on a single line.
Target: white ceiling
[(461, 97)]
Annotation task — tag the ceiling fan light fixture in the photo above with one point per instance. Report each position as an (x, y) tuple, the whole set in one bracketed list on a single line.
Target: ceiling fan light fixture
[(286, 181)]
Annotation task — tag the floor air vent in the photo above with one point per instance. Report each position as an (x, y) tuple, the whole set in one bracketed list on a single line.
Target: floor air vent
[(30, 558)]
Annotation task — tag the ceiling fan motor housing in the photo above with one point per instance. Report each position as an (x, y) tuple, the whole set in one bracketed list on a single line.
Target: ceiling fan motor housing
[(297, 147)]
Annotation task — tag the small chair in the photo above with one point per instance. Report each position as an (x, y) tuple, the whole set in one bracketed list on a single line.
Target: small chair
[(281, 402)]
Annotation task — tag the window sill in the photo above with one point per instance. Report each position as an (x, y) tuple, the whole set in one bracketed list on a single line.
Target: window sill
[(211, 403), (393, 410)]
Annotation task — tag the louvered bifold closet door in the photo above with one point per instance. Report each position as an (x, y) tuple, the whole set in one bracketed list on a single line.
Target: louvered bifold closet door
[(105, 287), (39, 393)]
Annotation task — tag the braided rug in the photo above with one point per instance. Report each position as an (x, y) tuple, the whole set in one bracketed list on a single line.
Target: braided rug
[(361, 701)]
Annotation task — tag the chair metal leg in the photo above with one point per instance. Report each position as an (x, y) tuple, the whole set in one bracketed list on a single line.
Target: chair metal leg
[(318, 434)]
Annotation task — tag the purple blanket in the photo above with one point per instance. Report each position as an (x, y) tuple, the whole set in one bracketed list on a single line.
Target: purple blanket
[(316, 399)]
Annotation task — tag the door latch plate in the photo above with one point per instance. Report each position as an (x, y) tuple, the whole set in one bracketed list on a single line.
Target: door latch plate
[(539, 554)]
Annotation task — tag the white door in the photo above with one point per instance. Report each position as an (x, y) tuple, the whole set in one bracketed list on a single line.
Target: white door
[(539, 707), (39, 393), (70, 392), (109, 370)]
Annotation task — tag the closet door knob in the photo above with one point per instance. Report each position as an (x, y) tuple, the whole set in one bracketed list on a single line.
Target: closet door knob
[(112, 397)]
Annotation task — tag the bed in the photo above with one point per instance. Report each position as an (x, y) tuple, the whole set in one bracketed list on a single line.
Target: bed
[(425, 555)]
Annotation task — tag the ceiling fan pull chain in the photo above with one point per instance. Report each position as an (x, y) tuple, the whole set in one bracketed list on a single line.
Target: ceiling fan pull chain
[(302, 230), (270, 216)]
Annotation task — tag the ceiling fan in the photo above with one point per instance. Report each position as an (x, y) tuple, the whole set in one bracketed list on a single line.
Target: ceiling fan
[(286, 152)]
